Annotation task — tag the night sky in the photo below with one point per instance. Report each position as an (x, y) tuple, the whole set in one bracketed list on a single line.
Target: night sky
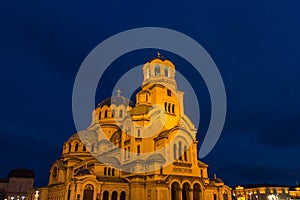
[(255, 45)]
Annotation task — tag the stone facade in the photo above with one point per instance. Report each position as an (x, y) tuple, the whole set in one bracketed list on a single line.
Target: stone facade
[(146, 150)]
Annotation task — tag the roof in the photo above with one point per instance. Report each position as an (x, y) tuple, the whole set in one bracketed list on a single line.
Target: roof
[(21, 173), (116, 100), (140, 110), (88, 135), (159, 59)]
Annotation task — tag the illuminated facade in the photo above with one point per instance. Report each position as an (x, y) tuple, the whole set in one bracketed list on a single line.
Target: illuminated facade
[(146, 150), (295, 192), (261, 192)]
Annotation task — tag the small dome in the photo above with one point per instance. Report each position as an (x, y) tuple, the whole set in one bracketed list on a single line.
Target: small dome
[(21, 173), (88, 135), (116, 100), (140, 110), (161, 60)]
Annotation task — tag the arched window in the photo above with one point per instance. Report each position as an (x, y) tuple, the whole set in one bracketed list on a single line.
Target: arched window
[(175, 188), (185, 191), (88, 192), (128, 152), (113, 113), (157, 70), (139, 133), (114, 195), (196, 192), (93, 148), (161, 170), (121, 113), (105, 195), (173, 108), (123, 196), (148, 73), (169, 107), (105, 114), (70, 147), (108, 171), (146, 98), (100, 115), (225, 196), (105, 169), (185, 153), (179, 151), (55, 174), (76, 147), (113, 172), (125, 156), (175, 151), (138, 150), (166, 69), (84, 147)]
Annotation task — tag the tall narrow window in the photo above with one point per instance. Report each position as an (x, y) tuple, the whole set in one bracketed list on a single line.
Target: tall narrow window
[(169, 93), (173, 108), (113, 172), (70, 147), (128, 152), (76, 147), (169, 107), (148, 73), (175, 151), (166, 106), (121, 113), (125, 154), (108, 173), (113, 113), (157, 70), (105, 195), (167, 72), (105, 114), (114, 195), (179, 151), (123, 196), (139, 133), (138, 150), (146, 98), (105, 169), (93, 148), (185, 153), (100, 115), (84, 147)]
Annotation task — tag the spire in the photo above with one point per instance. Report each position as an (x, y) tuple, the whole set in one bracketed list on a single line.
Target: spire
[(118, 92)]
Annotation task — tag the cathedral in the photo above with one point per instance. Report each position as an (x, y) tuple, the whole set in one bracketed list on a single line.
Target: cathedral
[(143, 150)]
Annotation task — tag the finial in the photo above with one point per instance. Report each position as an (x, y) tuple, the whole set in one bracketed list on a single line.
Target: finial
[(118, 92), (158, 54)]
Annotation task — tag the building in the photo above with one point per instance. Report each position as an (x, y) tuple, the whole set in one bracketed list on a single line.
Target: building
[(17, 185), (261, 192), (295, 192), (143, 150)]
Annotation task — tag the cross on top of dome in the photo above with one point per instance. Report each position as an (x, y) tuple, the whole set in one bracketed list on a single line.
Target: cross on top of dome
[(119, 92)]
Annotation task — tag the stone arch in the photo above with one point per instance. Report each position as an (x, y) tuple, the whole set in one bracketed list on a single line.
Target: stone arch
[(88, 192), (196, 191), (123, 195), (105, 195), (186, 188), (175, 190), (114, 195)]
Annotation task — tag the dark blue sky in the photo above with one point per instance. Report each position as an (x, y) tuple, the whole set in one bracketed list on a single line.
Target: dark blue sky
[(255, 44)]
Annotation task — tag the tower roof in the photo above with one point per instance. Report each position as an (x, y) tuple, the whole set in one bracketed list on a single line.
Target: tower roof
[(159, 59)]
